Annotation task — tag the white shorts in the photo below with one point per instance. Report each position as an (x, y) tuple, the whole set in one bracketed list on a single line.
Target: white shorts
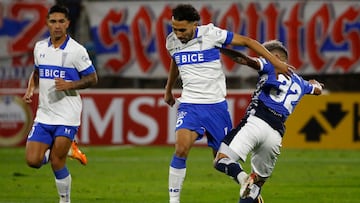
[(259, 138)]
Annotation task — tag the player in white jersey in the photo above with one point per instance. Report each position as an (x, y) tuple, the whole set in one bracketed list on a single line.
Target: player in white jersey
[(203, 109), (62, 66), (261, 130)]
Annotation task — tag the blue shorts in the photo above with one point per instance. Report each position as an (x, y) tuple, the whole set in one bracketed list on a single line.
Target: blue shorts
[(210, 119), (47, 133)]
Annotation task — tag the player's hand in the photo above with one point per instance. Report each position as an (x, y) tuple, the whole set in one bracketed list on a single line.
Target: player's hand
[(61, 84), (318, 86), (285, 69), (169, 99), (28, 97)]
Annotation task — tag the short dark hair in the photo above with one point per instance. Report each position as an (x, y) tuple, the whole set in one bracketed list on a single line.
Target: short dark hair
[(275, 45), (185, 12), (59, 9)]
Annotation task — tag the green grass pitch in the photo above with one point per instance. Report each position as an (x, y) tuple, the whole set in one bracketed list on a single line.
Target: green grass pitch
[(133, 174)]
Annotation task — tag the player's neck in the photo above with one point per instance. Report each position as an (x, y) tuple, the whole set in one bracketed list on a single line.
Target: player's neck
[(58, 41)]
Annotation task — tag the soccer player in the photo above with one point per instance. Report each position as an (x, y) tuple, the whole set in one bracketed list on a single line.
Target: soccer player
[(62, 66), (262, 128), (203, 109)]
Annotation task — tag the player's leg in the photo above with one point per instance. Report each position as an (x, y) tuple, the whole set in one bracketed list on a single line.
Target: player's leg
[(230, 167), (252, 187), (226, 160), (251, 193), (188, 129), (37, 146), (177, 171), (259, 199), (62, 143), (254, 195), (263, 159), (242, 140), (218, 123)]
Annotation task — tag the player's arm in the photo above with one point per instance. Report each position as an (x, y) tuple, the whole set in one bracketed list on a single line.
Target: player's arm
[(32, 85), (172, 77), (241, 58), (281, 67), (317, 87), (84, 82)]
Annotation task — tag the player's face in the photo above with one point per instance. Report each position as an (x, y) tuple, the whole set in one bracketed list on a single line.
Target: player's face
[(57, 24), (184, 30)]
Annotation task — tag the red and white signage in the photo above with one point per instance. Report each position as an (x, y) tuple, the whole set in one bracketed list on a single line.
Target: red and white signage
[(128, 37), (135, 117)]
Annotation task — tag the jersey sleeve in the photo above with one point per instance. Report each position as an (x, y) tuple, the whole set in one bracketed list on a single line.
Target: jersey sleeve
[(36, 62), (170, 43), (83, 63), (219, 36), (308, 88), (267, 68)]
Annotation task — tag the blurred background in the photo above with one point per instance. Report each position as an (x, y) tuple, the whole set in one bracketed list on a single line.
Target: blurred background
[(126, 42)]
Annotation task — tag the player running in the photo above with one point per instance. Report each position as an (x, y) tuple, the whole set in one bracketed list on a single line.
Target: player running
[(62, 66), (262, 128)]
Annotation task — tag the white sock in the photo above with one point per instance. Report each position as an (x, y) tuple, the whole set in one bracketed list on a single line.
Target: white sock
[(176, 179), (242, 177), (70, 151), (63, 187), (46, 156)]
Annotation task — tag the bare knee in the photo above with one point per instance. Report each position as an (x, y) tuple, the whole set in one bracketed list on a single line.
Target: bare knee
[(182, 150), (35, 153), (33, 162)]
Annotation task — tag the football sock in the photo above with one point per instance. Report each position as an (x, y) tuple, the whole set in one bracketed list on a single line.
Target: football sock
[(247, 200), (63, 184), (46, 157), (253, 195), (177, 172), (230, 168)]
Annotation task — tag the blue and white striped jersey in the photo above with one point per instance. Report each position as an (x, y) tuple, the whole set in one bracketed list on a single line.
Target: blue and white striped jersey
[(275, 98), (70, 61), (199, 64)]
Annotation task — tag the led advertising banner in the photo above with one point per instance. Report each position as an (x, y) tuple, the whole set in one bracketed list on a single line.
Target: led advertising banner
[(141, 117)]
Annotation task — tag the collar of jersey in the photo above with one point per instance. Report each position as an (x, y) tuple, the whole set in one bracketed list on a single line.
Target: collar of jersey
[(63, 45), (196, 33)]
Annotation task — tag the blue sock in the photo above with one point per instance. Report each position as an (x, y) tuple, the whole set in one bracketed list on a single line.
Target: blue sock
[(247, 200), (62, 173), (178, 162), (44, 161), (228, 167)]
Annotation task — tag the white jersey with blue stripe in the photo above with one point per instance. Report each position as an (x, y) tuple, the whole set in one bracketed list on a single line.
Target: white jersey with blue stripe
[(281, 94), (198, 61), (70, 61)]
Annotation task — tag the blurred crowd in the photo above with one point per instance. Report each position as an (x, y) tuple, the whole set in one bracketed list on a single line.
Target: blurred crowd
[(79, 29)]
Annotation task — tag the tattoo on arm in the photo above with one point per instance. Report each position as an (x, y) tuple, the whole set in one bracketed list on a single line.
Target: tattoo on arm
[(85, 81)]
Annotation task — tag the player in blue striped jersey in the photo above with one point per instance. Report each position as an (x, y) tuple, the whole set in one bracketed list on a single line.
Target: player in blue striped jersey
[(261, 130), (62, 67), (203, 108)]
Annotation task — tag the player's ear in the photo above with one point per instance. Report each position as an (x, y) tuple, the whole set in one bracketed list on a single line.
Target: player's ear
[(276, 54)]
